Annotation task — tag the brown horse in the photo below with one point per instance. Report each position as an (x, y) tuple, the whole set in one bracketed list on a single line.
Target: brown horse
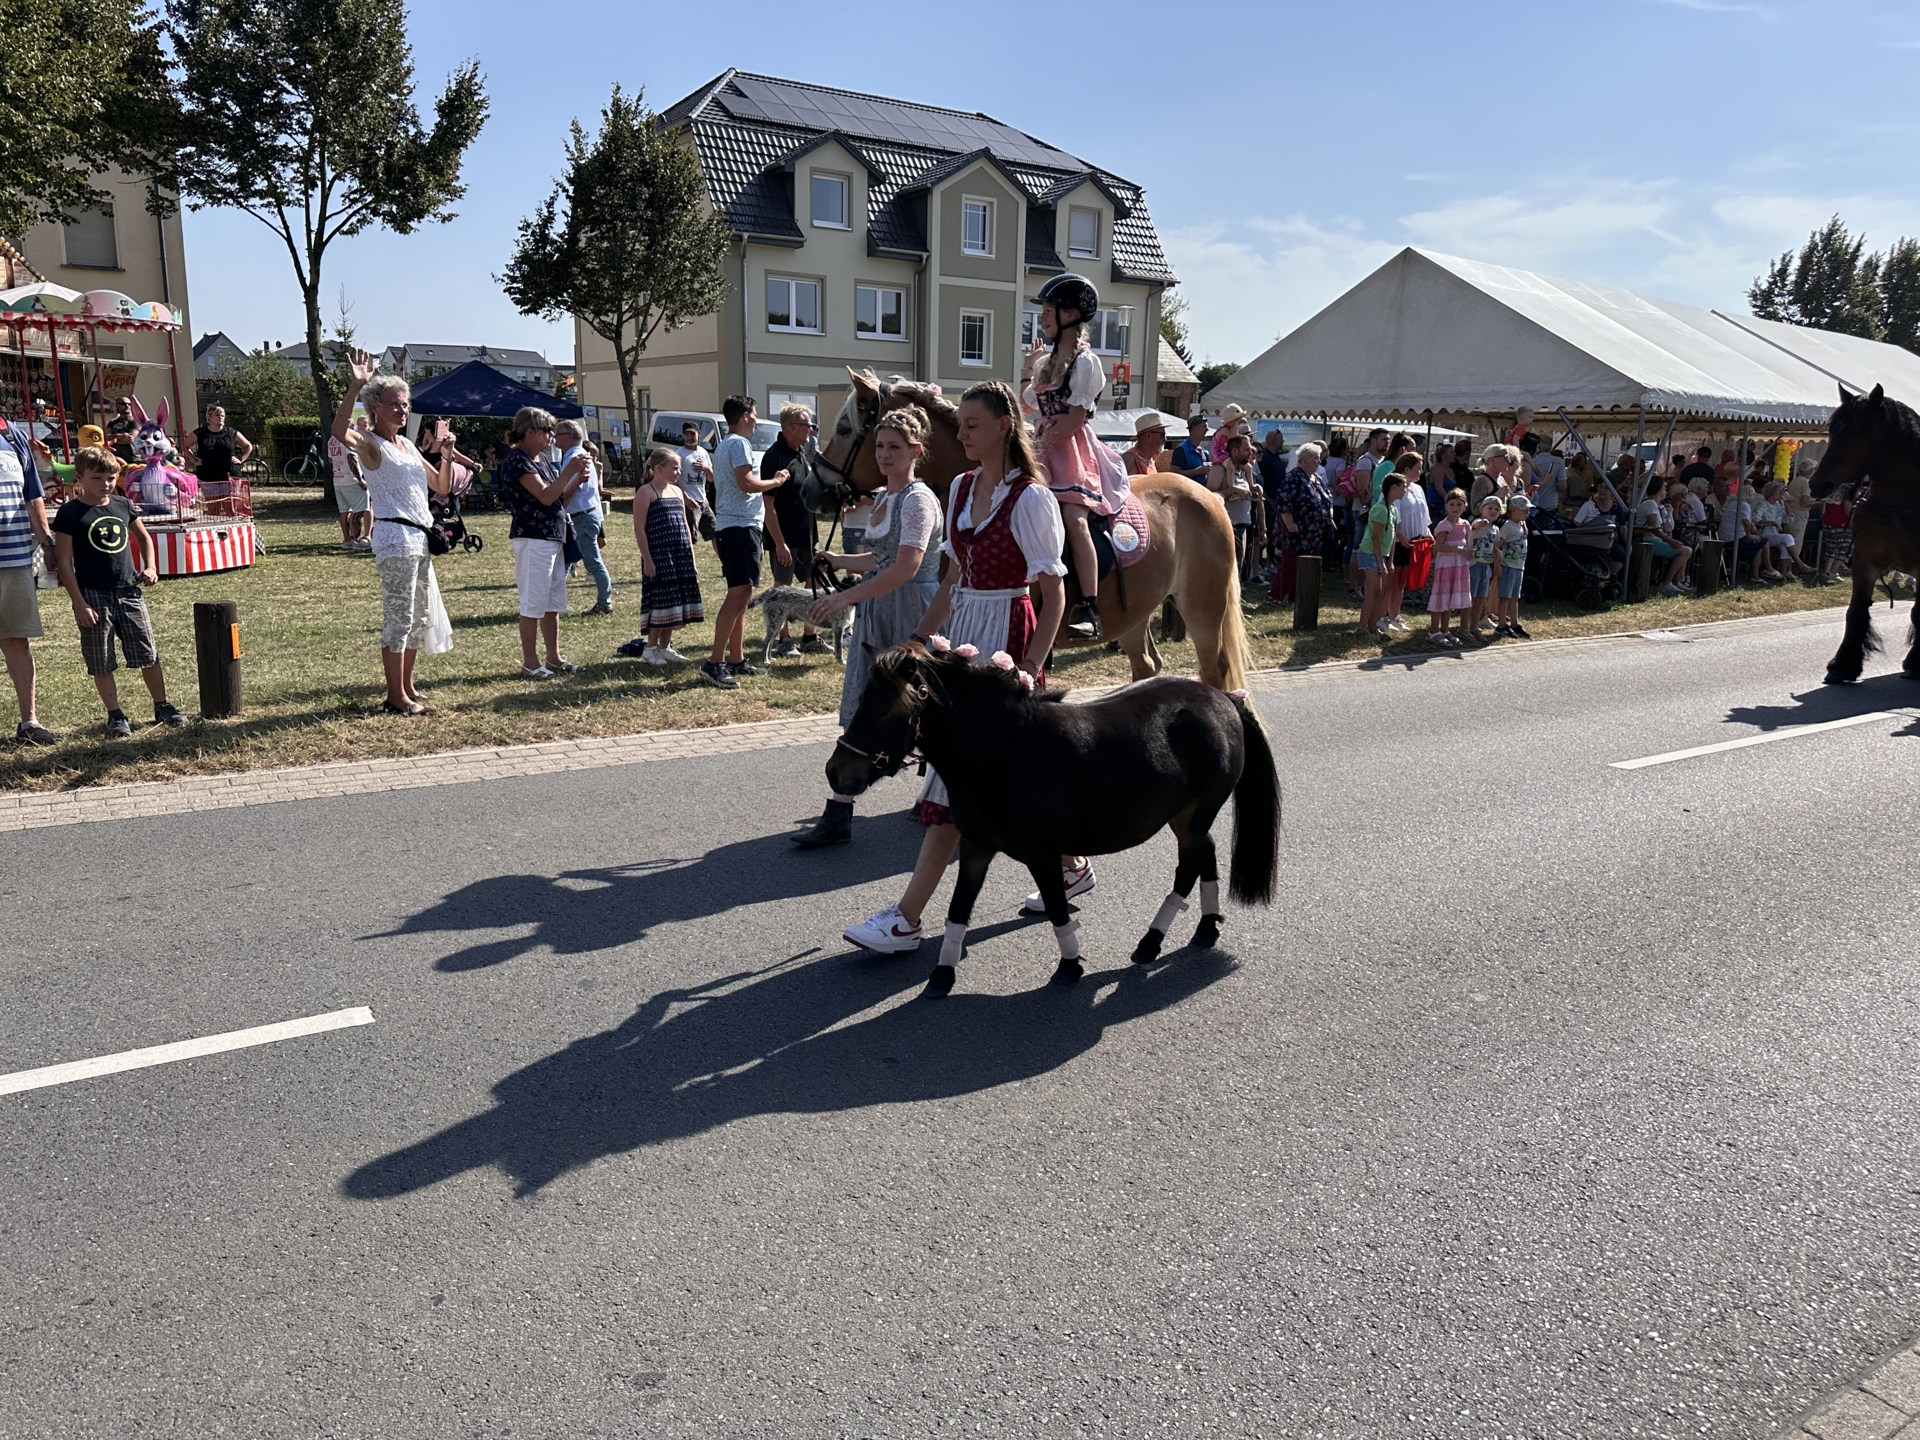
[(1190, 555), (1874, 439)]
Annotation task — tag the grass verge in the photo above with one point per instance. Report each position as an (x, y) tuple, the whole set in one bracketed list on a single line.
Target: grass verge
[(310, 625)]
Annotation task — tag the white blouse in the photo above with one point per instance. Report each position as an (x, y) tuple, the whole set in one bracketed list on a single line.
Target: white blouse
[(1035, 522), (1085, 381)]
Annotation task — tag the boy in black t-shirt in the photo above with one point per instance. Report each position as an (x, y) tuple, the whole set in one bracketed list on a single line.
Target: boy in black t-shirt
[(105, 555)]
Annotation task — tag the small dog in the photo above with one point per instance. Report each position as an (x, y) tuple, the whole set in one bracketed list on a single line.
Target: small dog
[(783, 604)]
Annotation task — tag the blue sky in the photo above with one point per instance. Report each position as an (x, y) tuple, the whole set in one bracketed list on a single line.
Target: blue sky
[(1670, 146)]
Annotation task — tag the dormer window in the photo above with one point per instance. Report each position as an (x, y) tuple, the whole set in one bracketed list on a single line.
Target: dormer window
[(1083, 234), (976, 227), (830, 201)]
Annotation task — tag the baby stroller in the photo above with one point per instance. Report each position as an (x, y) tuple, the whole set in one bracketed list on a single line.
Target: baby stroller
[(449, 512), (1569, 562)]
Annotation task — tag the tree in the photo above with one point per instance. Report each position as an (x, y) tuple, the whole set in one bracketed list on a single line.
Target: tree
[(1900, 295), (1831, 284), (261, 388), (1212, 373), (626, 241), (84, 90), (1173, 325), (301, 113)]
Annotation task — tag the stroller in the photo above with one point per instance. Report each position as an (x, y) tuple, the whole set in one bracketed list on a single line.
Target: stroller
[(449, 512), (1569, 562)]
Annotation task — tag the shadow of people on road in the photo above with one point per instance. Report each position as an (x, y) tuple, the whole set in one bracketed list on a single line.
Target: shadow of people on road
[(776, 1041), (1822, 703), (586, 910)]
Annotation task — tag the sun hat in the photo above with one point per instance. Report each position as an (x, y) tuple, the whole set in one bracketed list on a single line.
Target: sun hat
[(1231, 414), (1152, 420)]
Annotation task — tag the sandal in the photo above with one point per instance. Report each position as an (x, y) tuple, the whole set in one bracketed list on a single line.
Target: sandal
[(393, 709), (561, 667), (538, 672)]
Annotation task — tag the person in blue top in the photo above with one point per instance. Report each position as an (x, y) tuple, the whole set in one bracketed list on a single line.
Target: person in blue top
[(1191, 457), (23, 524), (586, 511), (739, 513)]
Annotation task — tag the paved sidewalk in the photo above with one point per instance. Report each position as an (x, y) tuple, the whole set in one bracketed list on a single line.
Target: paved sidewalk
[(1884, 1404), (38, 809)]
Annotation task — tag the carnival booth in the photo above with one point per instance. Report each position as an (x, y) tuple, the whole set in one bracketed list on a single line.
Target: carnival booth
[(197, 530)]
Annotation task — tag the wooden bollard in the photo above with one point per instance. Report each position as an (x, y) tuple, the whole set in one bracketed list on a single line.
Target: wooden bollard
[(1640, 572), (1713, 555), (216, 650), (1306, 593)]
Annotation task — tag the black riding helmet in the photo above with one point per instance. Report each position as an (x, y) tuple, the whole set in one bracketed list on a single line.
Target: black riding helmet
[(1071, 292)]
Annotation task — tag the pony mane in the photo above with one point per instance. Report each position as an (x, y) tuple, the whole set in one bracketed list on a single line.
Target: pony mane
[(918, 392), (1895, 419)]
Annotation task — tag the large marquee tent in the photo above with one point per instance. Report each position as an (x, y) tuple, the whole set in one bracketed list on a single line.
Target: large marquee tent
[(1434, 336)]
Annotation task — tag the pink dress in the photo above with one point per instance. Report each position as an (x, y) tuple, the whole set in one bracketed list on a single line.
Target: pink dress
[(1076, 472), (1450, 568)]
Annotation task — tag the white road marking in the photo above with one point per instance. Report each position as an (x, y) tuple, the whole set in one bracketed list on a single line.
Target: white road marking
[(1786, 732), (182, 1050)]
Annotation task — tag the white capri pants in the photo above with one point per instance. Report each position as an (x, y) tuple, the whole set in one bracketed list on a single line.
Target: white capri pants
[(403, 600), (540, 573)]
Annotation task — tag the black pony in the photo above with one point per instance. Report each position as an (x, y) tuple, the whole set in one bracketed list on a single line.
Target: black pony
[(1036, 780), (1872, 438)]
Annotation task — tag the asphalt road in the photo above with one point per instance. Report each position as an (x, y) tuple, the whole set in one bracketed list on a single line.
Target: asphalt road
[(1550, 1099)]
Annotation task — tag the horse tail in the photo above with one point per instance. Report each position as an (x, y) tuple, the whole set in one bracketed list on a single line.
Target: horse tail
[(1256, 814), (1235, 656)]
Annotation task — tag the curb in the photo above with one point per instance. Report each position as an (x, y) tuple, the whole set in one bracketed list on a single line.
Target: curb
[(36, 810), (1882, 1405)]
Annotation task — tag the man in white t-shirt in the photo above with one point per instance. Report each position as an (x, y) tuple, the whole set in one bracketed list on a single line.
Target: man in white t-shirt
[(350, 495), (696, 466)]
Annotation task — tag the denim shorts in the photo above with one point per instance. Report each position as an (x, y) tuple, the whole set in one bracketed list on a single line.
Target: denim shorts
[(1510, 578), (1663, 548), (1369, 561), (1479, 577)]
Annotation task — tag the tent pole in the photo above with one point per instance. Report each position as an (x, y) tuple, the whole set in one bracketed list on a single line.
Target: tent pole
[(59, 396), (1739, 487)]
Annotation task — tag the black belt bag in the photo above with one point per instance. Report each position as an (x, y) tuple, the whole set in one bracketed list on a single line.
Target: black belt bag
[(437, 542)]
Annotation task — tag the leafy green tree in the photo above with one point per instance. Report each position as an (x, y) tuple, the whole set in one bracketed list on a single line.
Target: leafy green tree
[(1214, 372), (258, 389), (301, 114), (626, 241), (1831, 284), (1173, 325), (83, 91), (1900, 294)]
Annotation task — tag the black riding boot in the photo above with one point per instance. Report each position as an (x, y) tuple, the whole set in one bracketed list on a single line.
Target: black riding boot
[(834, 827), (1083, 620)]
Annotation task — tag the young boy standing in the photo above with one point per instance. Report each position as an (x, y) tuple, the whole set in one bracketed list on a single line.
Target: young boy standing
[(739, 513), (1513, 568), (105, 555)]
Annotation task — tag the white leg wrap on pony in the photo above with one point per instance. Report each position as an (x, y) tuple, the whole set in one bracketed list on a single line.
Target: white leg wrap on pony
[(1068, 938), (1170, 909), (954, 944), (1209, 897)]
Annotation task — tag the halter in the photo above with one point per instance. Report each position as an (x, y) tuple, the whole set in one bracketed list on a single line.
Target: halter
[(880, 759), (869, 417)]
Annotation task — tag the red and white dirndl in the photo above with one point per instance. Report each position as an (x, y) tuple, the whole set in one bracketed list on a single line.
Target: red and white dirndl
[(1080, 470), (992, 607)]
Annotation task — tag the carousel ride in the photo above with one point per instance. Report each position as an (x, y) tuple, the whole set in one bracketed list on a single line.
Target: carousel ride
[(197, 529)]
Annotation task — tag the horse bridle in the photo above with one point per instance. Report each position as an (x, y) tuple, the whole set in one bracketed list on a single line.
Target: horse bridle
[(869, 417), (880, 759)]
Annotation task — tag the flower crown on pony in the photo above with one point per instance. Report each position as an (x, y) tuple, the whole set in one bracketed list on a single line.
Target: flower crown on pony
[(1000, 659)]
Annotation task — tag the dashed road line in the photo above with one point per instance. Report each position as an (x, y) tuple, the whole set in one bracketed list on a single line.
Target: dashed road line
[(182, 1050), (1785, 732)]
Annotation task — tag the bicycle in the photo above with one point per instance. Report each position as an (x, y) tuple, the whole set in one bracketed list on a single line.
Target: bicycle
[(306, 468)]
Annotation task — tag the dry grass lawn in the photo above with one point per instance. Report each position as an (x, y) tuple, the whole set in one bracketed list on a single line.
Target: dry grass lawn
[(310, 632)]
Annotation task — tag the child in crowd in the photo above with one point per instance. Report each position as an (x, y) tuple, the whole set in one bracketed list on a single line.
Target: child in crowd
[(1513, 568), (669, 585), (1836, 538), (1450, 594), (1483, 548), (105, 555), (1376, 554)]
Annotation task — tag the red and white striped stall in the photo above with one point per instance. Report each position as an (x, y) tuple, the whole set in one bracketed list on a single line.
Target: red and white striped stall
[(204, 547)]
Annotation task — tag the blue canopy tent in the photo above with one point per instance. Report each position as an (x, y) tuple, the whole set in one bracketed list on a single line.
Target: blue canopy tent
[(476, 388)]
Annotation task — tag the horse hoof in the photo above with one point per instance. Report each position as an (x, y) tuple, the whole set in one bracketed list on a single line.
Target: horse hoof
[(1068, 973), (1206, 934), (1148, 950), (1840, 677), (941, 980)]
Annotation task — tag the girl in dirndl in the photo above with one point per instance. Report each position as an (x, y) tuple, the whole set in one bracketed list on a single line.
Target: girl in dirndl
[(1085, 477), (1003, 533), (669, 584), (901, 563)]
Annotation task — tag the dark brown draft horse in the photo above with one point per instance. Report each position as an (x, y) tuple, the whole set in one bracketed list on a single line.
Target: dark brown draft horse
[(1034, 779), (1191, 556), (1872, 438)]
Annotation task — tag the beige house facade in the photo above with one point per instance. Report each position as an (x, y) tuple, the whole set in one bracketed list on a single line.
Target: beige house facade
[(879, 234), (120, 247)]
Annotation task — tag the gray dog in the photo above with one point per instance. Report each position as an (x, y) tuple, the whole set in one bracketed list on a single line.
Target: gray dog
[(783, 604)]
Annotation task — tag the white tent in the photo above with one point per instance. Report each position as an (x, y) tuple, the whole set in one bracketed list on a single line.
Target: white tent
[(1434, 334)]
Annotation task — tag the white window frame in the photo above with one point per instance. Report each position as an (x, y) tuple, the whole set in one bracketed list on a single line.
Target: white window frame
[(1119, 322), (986, 204), (778, 398), (814, 177), (985, 317), (113, 233), (792, 282), (1029, 325), (1074, 251), (878, 334)]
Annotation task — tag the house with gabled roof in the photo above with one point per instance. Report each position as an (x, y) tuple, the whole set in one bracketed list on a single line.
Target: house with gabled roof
[(870, 232)]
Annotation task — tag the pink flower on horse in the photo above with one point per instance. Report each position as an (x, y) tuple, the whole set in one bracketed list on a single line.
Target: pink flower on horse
[(939, 645), (1001, 659), (968, 652)]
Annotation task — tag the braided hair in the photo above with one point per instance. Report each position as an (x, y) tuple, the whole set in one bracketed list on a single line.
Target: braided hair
[(998, 398)]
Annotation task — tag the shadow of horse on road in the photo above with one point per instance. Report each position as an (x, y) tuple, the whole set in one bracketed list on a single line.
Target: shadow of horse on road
[(784, 1040), (1824, 703)]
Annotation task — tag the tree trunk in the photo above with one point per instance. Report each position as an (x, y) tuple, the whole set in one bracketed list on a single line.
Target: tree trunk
[(317, 368), (628, 392)]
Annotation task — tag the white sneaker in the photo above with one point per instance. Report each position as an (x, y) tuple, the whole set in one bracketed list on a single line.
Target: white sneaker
[(652, 656), (1079, 882), (1380, 626), (1397, 624), (670, 656), (885, 933)]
